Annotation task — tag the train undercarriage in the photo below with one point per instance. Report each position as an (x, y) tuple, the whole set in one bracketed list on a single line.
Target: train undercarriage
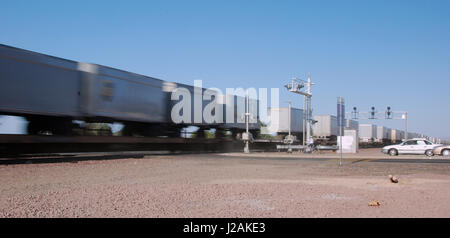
[(65, 126)]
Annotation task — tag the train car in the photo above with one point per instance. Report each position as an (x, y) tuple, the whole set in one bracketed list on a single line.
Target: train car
[(279, 121), (397, 136), (42, 88), (51, 93), (113, 95), (326, 127), (195, 99), (383, 134), (229, 116), (367, 133), (234, 109)]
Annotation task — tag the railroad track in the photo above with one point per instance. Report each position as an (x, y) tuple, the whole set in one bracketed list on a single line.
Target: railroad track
[(16, 145)]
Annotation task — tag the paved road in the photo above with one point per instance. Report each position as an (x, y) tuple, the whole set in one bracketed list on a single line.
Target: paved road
[(352, 158)]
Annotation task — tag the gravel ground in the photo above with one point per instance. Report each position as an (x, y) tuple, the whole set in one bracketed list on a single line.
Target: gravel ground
[(217, 185), (369, 153)]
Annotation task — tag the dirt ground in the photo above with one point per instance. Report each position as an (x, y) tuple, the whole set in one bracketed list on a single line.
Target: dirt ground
[(228, 185)]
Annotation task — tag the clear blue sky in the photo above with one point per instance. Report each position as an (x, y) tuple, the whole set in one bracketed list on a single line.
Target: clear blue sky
[(373, 52)]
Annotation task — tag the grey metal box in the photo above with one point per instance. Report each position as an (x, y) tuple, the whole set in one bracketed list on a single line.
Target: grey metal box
[(383, 133), (325, 126), (33, 83), (113, 93), (367, 132), (279, 120)]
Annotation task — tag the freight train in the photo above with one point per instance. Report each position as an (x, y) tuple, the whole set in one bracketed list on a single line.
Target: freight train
[(325, 131), (52, 93)]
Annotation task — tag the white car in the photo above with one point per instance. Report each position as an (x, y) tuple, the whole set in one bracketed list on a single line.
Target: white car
[(442, 150), (417, 146)]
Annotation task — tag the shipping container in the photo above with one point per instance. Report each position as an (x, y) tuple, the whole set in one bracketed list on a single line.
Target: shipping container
[(325, 127), (234, 109), (384, 134), (367, 132), (120, 95), (279, 120), (397, 136), (36, 84), (230, 113)]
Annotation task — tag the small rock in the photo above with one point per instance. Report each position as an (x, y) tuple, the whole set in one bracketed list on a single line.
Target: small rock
[(374, 203), (393, 179)]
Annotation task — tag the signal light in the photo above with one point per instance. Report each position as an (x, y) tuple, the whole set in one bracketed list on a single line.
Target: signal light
[(388, 113)]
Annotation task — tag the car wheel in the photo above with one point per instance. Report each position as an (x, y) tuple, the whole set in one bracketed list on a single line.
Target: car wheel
[(446, 153), (393, 152), (429, 153)]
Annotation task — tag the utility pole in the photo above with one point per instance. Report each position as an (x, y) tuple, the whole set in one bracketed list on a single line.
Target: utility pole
[(308, 114), (247, 135), (304, 122), (341, 124), (289, 138), (405, 116), (289, 120)]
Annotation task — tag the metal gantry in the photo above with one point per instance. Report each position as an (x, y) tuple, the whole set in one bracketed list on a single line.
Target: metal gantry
[(388, 115), (303, 87)]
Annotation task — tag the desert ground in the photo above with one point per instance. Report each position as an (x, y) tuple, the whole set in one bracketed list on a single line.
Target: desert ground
[(227, 185)]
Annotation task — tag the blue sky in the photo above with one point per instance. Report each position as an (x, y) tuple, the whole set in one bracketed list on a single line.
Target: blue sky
[(372, 53)]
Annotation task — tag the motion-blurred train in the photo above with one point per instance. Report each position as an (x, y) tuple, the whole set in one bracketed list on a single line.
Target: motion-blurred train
[(52, 93)]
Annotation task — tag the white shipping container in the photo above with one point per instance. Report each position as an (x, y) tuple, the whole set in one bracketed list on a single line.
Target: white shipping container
[(398, 135), (383, 133), (367, 132), (279, 120), (326, 126), (395, 135)]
